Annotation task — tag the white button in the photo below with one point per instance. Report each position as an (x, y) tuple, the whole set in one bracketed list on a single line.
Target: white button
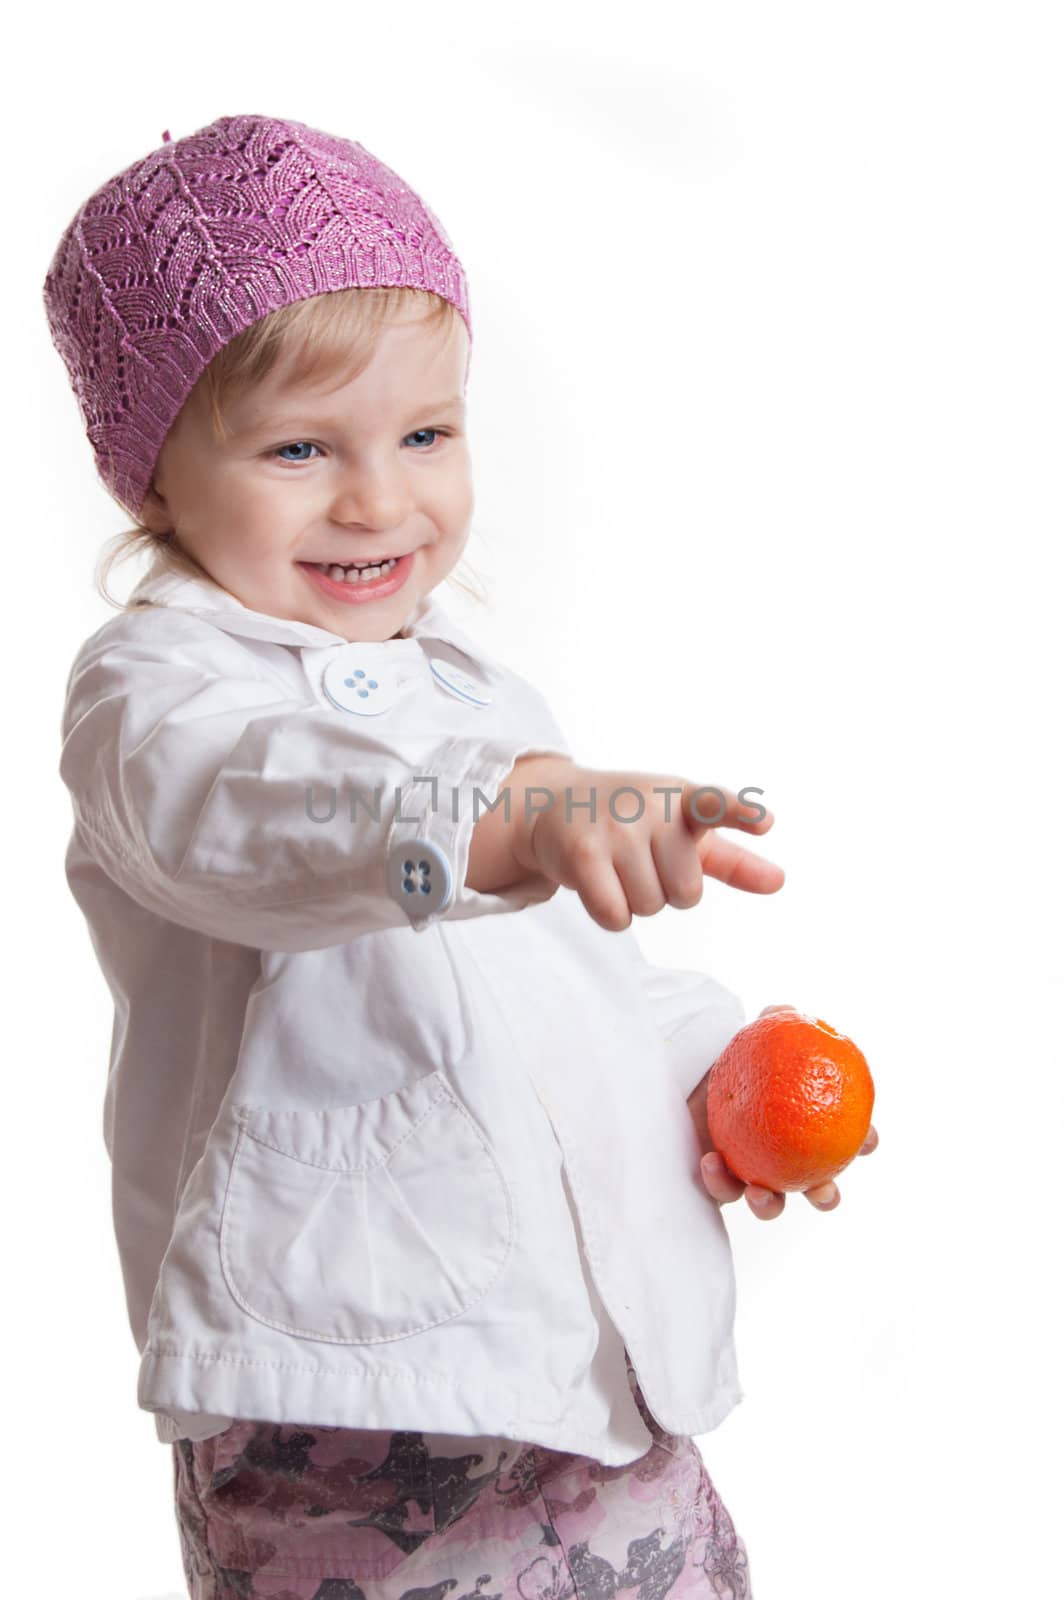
[(353, 682), (419, 876), (459, 683)]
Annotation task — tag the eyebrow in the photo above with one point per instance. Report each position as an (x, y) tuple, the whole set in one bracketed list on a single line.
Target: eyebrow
[(282, 422)]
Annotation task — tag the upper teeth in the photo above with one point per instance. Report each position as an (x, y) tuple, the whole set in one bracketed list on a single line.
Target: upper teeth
[(354, 573)]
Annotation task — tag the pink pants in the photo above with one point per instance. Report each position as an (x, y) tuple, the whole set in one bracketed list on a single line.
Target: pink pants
[(270, 1511)]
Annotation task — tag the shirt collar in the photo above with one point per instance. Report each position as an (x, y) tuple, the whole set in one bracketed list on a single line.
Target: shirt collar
[(161, 585)]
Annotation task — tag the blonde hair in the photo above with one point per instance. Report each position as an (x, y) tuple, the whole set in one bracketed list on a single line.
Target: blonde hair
[(331, 334)]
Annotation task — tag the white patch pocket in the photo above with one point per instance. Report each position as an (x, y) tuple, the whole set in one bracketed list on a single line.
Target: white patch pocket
[(363, 1223)]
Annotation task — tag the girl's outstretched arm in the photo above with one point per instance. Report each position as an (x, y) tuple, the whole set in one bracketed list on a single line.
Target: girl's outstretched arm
[(217, 794)]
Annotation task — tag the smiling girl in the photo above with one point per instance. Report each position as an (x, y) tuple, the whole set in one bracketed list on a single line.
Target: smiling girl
[(428, 1291)]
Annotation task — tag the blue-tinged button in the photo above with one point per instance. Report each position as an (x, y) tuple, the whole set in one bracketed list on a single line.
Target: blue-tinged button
[(459, 683), (349, 687), (419, 876)]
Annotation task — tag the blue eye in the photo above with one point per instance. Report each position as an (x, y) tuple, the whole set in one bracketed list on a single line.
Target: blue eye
[(305, 444), (300, 444)]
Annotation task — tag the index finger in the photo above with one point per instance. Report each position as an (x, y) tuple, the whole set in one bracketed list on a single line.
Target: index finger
[(710, 805), (721, 858)]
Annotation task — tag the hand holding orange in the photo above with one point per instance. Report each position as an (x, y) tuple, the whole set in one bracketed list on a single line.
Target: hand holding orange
[(788, 1105)]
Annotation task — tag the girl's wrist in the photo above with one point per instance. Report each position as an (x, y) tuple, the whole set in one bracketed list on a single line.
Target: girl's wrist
[(550, 773), (500, 849)]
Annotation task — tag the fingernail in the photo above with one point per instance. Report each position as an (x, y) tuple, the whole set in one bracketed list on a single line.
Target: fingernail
[(711, 1165), (761, 1197)]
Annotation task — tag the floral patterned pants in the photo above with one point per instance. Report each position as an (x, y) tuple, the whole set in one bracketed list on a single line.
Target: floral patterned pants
[(270, 1511)]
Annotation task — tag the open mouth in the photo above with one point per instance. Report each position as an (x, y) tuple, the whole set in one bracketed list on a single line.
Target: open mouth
[(357, 580)]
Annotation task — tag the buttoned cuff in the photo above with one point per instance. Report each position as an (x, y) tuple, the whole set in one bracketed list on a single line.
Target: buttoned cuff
[(431, 833)]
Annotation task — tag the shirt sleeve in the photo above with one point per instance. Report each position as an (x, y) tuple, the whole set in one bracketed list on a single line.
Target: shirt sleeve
[(201, 785), (696, 1016)]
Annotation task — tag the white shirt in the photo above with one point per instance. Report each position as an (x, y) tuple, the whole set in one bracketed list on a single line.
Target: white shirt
[(388, 1152)]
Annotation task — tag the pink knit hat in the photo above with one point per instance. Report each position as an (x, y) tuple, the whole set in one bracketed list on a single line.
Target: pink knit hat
[(171, 259)]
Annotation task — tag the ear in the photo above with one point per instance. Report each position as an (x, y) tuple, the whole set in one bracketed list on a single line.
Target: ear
[(154, 513)]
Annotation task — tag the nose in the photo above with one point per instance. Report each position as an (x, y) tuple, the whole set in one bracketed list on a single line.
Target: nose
[(373, 496)]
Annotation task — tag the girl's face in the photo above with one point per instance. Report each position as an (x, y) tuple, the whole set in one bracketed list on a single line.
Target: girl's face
[(377, 468)]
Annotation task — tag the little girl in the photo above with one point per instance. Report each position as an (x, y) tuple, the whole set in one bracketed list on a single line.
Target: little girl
[(405, 1132)]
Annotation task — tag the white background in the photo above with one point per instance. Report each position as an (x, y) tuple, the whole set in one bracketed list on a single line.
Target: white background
[(766, 416)]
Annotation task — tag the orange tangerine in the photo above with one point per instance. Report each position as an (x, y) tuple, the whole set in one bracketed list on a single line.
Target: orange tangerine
[(789, 1102)]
